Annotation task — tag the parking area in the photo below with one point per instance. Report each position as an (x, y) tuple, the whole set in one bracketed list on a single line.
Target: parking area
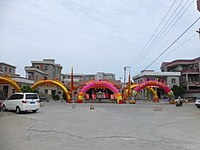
[(108, 126)]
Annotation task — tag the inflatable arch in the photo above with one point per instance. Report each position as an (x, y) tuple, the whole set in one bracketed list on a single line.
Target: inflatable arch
[(11, 82), (154, 83), (155, 96), (53, 82), (105, 84)]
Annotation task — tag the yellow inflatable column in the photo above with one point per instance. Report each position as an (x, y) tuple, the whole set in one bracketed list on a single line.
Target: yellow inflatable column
[(119, 98)]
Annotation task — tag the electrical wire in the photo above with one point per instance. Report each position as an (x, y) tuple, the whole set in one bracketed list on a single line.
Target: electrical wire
[(173, 43), (168, 30), (140, 54), (181, 44), (164, 31)]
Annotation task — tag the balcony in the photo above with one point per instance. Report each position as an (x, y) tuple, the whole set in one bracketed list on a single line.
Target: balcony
[(29, 69), (190, 71), (194, 83)]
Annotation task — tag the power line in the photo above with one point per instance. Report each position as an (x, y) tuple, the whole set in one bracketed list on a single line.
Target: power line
[(183, 43), (153, 40), (165, 30), (140, 54), (161, 36), (172, 43), (164, 27)]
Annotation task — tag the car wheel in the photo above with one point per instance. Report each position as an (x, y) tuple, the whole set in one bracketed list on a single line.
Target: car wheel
[(18, 111), (34, 111), (4, 108)]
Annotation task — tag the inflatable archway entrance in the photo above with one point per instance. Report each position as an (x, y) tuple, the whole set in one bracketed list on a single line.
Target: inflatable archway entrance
[(155, 96), (11, 82), (154, 83), (53, 82), (105, 84)]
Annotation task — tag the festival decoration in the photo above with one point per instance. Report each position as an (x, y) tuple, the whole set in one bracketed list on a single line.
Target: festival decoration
[(102, 84)]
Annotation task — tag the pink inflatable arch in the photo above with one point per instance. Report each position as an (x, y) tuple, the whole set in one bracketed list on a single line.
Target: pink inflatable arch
[(94, 84), (99, 84)]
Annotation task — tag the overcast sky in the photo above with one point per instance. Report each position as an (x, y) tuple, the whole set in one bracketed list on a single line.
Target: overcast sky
[(97, 35)]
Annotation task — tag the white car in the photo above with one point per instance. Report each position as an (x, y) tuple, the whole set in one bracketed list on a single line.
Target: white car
[(22, 102), (197, 102)]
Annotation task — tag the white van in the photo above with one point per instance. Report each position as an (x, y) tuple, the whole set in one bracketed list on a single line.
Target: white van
[(22, 102), (197, 102)]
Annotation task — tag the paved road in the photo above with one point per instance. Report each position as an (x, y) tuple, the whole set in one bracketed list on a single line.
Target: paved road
[(57, 126)]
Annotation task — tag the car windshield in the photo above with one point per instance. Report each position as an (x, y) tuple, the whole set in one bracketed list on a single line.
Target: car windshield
[(31, 96)]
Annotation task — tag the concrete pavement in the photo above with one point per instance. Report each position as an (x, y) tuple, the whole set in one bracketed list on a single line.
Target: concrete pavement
[(108, 126)]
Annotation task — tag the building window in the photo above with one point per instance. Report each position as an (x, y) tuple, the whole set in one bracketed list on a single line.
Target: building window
[(29, 76), (5, 69), (10, 70), (45, 67), (173, 81)]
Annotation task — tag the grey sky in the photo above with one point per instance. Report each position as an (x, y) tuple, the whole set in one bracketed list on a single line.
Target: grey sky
[(93, 35)]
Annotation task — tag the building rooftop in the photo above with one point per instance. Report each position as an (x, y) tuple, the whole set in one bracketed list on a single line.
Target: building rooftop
[(28, 68), (180, 61), (47, 61), (147, 73), (7, 64)]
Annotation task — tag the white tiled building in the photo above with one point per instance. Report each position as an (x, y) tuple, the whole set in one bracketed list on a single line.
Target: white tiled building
[(170, 78)]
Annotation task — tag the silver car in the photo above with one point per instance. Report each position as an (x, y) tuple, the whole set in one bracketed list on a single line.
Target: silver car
[(22, 102)]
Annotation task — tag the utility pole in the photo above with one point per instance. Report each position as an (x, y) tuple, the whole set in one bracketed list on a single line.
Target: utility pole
[(198, 5), (126, 67)]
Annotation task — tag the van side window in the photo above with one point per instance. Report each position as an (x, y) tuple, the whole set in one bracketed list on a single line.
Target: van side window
[(16, 96)]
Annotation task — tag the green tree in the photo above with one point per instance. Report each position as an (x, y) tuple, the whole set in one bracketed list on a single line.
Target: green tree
[(27, 88), (178, 91)]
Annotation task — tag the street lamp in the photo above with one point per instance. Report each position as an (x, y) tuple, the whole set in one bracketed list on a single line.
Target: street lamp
[(126, 67)]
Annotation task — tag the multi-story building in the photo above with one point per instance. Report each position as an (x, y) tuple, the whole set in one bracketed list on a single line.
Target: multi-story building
[(79, 80), (6, 70), (169, 78), (104, 76), (9, 70), (43, 69), (46, 69), (190, 74)]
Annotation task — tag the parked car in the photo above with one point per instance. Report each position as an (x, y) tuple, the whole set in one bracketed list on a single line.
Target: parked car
[(22, 102), (197, 102)]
